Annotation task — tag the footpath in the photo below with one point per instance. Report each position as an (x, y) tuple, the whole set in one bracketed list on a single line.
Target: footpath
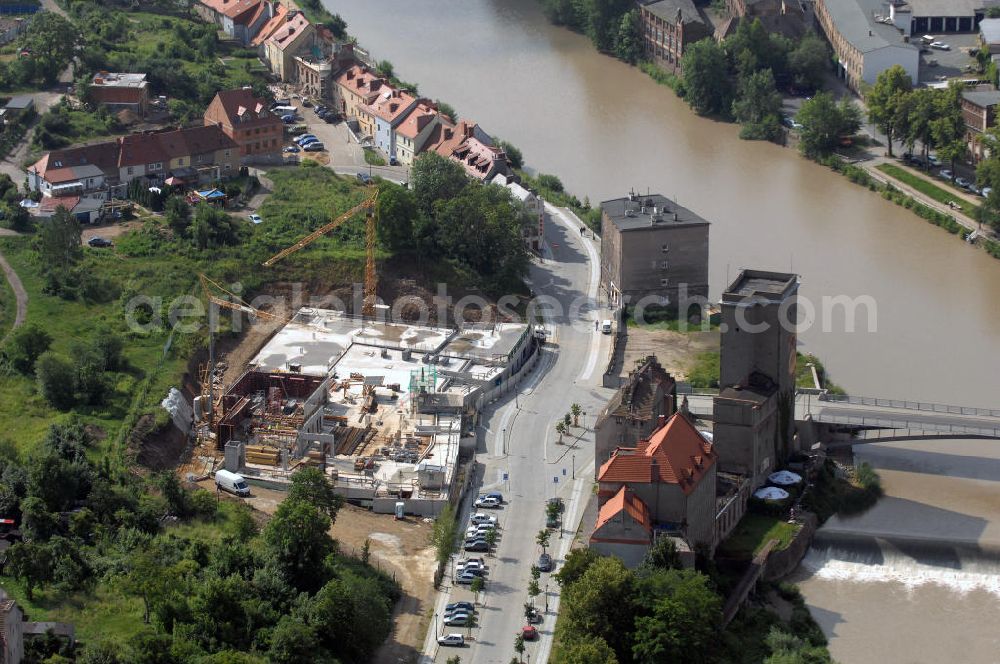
[(20, 295)]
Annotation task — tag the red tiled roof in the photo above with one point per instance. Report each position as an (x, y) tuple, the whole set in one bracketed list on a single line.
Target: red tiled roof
[(239, 106), (275, 22), (289, 31), (48, 204), (675, 453), (360, 81), (390, 104), (140, 149), (418, 119), (57, 166), (628, 501), (242, 11)]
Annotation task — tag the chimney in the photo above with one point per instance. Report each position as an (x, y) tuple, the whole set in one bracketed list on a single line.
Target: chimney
[(661, 421), (654, 470)]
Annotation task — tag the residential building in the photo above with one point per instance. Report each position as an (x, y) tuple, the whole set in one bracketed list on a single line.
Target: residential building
[(278, 15), (11, 29), (388, 110), (863, 44), (534, 207), (196, 155), (240, 20), (75, 171), (624, 528), (315, 77), (247, 120), (118, 92), (673, 473), (653, 252), (291, 38), (989, 34), (667, 28), (979, 111), (754, 413), (470, 146), (354, 88), (415, 130), (11, 630), (634, 411)]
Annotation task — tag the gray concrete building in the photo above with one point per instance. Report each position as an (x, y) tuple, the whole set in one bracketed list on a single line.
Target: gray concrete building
[(634, 410), (754, 412), (654, 252)]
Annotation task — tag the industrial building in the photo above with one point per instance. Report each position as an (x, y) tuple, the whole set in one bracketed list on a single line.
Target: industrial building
[(382, 407)]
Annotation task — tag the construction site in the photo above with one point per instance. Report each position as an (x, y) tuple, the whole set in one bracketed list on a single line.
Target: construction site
[(383, 408)]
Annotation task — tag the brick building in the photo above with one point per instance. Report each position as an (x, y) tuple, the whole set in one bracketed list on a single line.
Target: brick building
[(246, 119), (668, 27)]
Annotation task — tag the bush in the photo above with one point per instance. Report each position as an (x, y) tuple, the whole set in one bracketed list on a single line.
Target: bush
[(25, 345), (56, 380)]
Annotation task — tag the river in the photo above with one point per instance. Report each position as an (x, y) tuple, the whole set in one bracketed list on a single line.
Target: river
[(605, 127)]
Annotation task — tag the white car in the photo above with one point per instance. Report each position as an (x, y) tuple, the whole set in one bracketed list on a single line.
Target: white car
[(985, 191), (962, 182), (483, 518), (255, 219), (941, 46), (488, 502), (451, 640), (470, 566)]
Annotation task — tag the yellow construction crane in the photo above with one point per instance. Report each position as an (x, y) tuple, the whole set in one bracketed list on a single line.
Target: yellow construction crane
[(235, 304), (371, 276)]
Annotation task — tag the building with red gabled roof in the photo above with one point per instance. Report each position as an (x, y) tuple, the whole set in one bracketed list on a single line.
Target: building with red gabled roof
[(354, 87), (277, 19), (415, 130), (385, 113), (467, 144), (674, 473), (623, 528), (239, 19), (247, 120), (294, 36)]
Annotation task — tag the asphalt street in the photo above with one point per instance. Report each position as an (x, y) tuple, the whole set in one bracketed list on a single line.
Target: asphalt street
[(522, 458)]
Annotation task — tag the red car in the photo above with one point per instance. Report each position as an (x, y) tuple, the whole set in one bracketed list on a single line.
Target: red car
[(529, 633)]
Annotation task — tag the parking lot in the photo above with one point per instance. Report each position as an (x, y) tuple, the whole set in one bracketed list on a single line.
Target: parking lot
[(938, 65)]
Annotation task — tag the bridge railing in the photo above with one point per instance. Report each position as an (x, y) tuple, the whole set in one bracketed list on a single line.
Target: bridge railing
[(927, 427), (911, 405)]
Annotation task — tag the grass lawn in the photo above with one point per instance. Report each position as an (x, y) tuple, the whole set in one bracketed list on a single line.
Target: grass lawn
[(8, 306), (374, 158), (928, 188), (705, 371), (670, 323), (754, 531)]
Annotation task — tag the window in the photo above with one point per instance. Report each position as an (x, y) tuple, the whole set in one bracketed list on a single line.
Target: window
[(130, 170), (665, 248), (663, 282), (180, 162), (227, 152), (663, 265), (227, 168)]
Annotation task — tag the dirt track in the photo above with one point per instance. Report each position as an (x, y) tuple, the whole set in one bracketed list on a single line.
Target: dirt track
[(20, 295)]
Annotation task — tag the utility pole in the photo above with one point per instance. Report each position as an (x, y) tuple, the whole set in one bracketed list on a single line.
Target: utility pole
[(574, 466)]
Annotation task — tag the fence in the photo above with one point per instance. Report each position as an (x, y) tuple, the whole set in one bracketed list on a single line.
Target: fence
[(925, 427), (911, 405)]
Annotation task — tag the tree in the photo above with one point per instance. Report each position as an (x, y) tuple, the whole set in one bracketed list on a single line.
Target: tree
[(758, 106), (628, 40), (90, 381), (491, 539), (576, 411), (886, 97), (542, 538), (602, 603), (312, 486), (922, 109), (31, 564), (145, 574), (533, 590), (56, 379), (397, 209), (351, 616), (577, 562), (948, 128), (706, 77), (560, 429), (476, 588), (16, 218), (435, 178), (825, 122), (297, 540), (25, 345), (809, 61), (685, 618), (513, 155), (51, 40), (178, 214), (519, 647), (663, 555), (59, 242), (584, 649), (213, 228), (988, 175)]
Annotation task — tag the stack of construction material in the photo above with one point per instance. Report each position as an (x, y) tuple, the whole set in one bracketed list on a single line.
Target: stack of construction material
[(265, 456)]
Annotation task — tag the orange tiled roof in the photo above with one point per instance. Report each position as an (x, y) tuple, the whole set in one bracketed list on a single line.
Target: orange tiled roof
[(289, 31), (675, 454), (275, 22), (414, 123), (628, 501), (390, 104)]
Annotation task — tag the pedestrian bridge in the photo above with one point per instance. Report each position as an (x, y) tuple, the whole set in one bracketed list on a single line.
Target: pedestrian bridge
[(877, 418)]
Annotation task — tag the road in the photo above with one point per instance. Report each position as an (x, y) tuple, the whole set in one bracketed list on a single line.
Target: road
[(518, 439)]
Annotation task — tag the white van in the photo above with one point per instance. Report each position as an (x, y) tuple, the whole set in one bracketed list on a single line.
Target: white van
[(606, 326), (232, 482)]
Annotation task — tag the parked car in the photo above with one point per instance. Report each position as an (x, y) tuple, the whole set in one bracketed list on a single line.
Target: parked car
[(232, 482), (481, 517), (478, 545), (529, 633), (469, 565), (306, 103), (484, 501), (332, 118), (99, 242), (962, 182), (941, 46), (305, 137), (292, 149), (393, 161), (456, 640), (457, 614), (255, 218), (945, 173), (545, 562), (308, 141), (460, 620), (985, 191), (288, 118), (534, 617), (933, 161), (468, 606), (314, 147), (364, 178)]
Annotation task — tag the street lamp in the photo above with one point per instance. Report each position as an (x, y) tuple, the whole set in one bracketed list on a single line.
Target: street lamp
[(546, 597), (503, 441), (574, 466)]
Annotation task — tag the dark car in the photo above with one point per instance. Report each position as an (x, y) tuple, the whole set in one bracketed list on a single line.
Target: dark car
[(364, 178), (314, 147), (306, 103), (288, 119), (545, 562), (291, 149), (468, 606), (332, 118), (99, 242), (478, 545)]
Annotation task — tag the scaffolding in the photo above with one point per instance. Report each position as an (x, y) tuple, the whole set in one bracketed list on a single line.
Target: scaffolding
[(423, 380)]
